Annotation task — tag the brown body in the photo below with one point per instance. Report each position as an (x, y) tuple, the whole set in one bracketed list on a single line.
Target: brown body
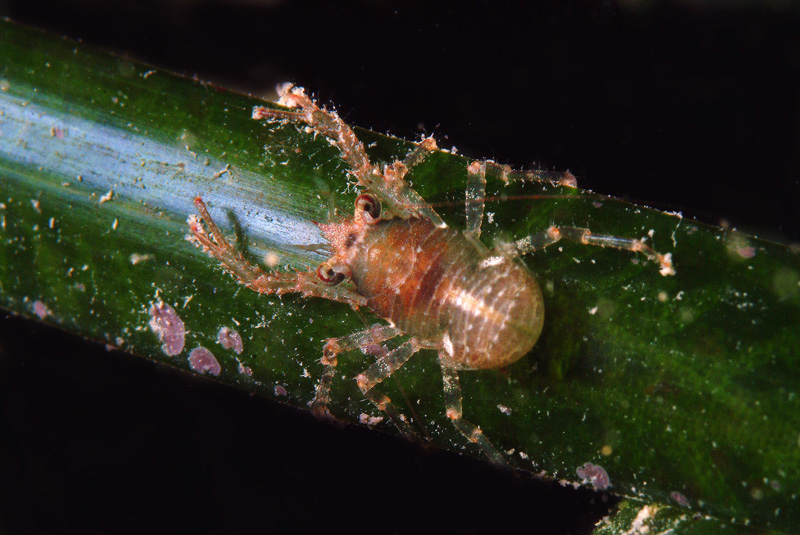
[(439, 287)]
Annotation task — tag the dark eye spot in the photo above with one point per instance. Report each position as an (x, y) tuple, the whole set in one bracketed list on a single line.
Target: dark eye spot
[(330, 275), (351, 239), (370, 207)]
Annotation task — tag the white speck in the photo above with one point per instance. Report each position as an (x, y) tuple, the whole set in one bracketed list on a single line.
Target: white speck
[(666, 265), (491, 261), (593, 311), (115, 224), (448, 344), (638, 525), (505, 410), (107, 197), (36, 205), (135, 258), (369, 420), (52, 222)]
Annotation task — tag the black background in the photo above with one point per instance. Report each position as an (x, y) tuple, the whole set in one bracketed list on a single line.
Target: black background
[(691, 107)]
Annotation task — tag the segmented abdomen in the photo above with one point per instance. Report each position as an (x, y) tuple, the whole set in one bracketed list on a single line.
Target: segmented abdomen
[(437, 286)]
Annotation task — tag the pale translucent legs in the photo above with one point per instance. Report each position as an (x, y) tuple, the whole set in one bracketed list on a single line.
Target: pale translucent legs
[(585, 236), (453, 409), (380, 370), (388, 362), (383, 368), (309, 284), (303, 282), (476, 191), (476, 187), (389, 185)]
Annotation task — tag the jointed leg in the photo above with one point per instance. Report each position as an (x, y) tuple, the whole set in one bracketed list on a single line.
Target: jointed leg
[(506, 174), (476, 193), (390, 185), (400, 197), (326, 123), (380, 370), (550, 236), (304, 282), (476, 187), (419, 153), (360, 340), (452, 399), (398, 170)]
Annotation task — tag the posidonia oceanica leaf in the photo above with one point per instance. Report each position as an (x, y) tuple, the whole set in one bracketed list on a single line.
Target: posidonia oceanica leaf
[(680, 390)]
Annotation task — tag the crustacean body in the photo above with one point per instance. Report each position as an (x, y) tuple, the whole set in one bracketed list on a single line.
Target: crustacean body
[(478, 308)]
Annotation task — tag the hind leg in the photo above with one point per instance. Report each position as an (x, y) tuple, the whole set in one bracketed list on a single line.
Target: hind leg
[(554, 234), (385, 366), (333, 347), (454, 411)]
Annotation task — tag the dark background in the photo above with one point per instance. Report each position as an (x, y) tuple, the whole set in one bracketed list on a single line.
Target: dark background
[(684, 106)]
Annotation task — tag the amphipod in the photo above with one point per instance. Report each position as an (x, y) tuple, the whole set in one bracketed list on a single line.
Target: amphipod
[(478, 308)]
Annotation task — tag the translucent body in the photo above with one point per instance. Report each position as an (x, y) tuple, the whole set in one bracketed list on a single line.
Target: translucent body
[(397, 257), (448, 292)]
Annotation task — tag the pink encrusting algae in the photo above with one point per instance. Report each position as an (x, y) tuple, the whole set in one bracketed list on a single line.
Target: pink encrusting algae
[(203, 361), (595, 474), (41, 310), (230, 339), (168, 326)]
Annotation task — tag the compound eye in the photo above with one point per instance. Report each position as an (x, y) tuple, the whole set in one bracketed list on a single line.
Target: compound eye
[(330, 274), (369, 207)]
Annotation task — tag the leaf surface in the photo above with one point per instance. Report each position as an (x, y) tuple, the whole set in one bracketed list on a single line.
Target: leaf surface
[(682, 388)]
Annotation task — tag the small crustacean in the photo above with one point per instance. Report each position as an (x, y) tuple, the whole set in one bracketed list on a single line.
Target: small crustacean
[(445, 290)]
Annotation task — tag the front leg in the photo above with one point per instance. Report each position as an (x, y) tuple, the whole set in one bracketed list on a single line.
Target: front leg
[(390, 185), (306, 283)]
